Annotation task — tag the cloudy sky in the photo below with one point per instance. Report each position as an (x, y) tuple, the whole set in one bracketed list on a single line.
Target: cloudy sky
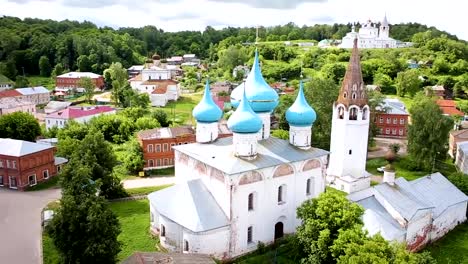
[(176, 15)]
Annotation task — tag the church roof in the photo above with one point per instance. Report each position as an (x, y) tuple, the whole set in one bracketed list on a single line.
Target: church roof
[(384, 21), (301, 113), (191, 205), (271, 152), (244, 119), (261, 96), (206, 110), (352, 90)]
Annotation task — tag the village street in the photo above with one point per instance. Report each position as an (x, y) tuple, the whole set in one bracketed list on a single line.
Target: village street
[(20, 219)]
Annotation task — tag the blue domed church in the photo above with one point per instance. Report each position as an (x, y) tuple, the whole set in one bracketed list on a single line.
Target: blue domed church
[(232, 193)]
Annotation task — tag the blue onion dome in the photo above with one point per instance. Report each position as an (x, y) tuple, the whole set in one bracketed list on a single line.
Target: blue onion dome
[(301, 113), (206, 110), (261, 96), (244, 119)]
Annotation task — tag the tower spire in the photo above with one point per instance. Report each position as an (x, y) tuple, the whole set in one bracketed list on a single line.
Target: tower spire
[(352, 90), (256, 37)]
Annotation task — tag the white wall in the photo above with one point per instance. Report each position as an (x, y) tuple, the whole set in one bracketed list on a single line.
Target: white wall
[(214, 242), (449, 219), (418, 230)]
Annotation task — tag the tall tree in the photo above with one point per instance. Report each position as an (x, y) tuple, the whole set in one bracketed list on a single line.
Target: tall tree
[(408, 82), (118, 78), (44, 66), (88, 85), (19, 125), (21, 82), (84, 229), (428, 132)]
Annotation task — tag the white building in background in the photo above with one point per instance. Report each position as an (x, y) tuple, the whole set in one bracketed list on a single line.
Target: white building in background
[(350, 129), (36, 95), (232, 193), (10, 105), (371, 37), (79, 114)]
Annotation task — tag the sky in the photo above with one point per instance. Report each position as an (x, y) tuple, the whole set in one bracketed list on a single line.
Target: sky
[(177, 15)]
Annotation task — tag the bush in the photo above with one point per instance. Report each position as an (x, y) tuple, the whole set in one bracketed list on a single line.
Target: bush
[(409, 164), (261, 247)]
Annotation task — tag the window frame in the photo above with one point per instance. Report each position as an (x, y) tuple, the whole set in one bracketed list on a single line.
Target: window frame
[(150, 148), (308, 186), (250, 235), (2, 181), (35, 179), (250, 202), (162, 231), (47, 172)]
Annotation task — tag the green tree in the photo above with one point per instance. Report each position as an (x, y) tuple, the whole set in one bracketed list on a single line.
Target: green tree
[(19, 125), (21, 82), (84, 229), (146, 122), (133, 159), (408, 82), (460, 180), (428, 132), (161, 117), (58, 70), (322, 219), (115, 128), (384, 81), (232, 56), (44, 66), (88, 85), (118, 77), (334, 71), (280, 133)]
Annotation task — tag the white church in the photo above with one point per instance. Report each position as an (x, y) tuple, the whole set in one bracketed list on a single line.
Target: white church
[(370, 37)]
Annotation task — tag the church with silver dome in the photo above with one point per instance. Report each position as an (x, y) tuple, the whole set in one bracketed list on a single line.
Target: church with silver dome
[(232, 193)]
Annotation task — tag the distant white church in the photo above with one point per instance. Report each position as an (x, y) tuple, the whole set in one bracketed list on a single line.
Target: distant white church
[(232, 193), (370, 37)]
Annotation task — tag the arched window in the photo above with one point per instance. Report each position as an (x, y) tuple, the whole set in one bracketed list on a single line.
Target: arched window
[(163, 231), (364, 114), (186, 245), (340, 112), (354, 96), (308, 183), (251, 202), (282, 194), (150, 163), (345, 94), (354, 87), (250, 234), (353, 114)]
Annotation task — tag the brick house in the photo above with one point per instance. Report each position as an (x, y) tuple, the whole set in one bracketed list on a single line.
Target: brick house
[(71, 79), (394, 121), (24, 164), (157, 143), (449, 107)]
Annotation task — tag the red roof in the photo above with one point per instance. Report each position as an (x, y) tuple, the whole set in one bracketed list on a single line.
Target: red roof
[(448, 107), (9, 93), (77, 112)]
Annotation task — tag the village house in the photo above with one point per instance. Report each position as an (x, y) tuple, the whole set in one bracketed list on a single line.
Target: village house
[(456, 137), (10, 105), (157, 143), (449, 107), (5, 83), (175, 60), (54, 106), (24, 164), (79, 114), (70, 80), (414, 212), (461, 156), (392, 120), (11, 94), (436, 90), (135, 70), (38, 95)]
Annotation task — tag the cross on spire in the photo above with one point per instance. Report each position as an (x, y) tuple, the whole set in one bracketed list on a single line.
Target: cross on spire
[(256, 38)]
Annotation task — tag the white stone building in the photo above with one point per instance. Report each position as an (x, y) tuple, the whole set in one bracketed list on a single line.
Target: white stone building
[(36, 95), (232, 193), (461, 157), (413, 212), (10, 105), (349, 134), (369, 36), (79, 114)]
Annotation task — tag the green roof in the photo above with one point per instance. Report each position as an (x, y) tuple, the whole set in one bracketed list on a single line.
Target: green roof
[(4, 79)]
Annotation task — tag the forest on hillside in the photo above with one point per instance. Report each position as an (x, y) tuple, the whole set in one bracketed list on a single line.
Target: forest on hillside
[(47, 47)]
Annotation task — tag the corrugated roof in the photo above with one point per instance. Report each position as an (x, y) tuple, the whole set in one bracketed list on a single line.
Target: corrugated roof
[(18, 148), (166, 132), (438, 191), (79, 75), (401, 198), (9, 93), (76, 112), (33, 90), (394, 106), (190, 205), (271, 152)]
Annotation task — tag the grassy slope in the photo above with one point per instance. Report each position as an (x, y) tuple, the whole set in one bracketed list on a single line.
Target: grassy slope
[(47, 82), (183, 108)]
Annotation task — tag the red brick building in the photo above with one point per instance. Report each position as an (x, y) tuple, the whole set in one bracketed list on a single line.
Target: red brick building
[(71, 79), (157, 143), (24, 164), (394, 121)]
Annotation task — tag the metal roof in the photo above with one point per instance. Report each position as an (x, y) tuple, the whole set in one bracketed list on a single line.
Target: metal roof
[(438, 191), (401, 197), (190, 205), (18, 148), (394, 106), (378, 220), (33, 90), (271, 152), (79, 75)]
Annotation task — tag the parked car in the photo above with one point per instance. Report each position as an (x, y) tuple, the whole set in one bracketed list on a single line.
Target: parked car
[(47, 216), (381, 169)]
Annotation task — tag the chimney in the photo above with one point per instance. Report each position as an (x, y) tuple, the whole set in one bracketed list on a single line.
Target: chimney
[(389, 174)]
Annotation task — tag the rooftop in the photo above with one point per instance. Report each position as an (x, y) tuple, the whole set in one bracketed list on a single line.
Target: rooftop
[(77, 112), (166, 132), (18, 148), (449, 107), (460, 134), (193, 199), (79, 75), (4, 79), (33, 90), (9, 93), (394, 106), (271, 152)]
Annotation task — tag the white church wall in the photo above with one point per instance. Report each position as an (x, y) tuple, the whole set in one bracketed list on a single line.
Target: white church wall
[(214, 242), (448, 220), (173, 234), (219, 187), (418, 230)]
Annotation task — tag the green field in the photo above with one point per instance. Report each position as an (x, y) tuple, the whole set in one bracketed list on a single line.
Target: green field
[(135, 236), (181, 111), (47, 82), (453, 248), (401, 171), (146, 190)]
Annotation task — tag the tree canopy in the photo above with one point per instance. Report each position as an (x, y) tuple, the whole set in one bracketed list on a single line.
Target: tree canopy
[(19, 125)]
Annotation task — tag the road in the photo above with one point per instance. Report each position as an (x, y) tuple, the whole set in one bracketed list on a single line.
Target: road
[(383, 144), (20, 222)]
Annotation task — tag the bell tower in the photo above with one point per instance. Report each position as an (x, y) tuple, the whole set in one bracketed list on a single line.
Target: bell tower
[(384, 30), (350, 130)]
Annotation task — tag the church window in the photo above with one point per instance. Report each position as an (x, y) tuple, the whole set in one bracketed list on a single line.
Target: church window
[(281, 194), (350, 152), (387, 131), (340, 112), (354, 96), (394, 131), (250, 234), (353, 113), (308, 185), (251, 202), (400, 132), (186, 245), (354, 87), (163, 231), (364, 114)]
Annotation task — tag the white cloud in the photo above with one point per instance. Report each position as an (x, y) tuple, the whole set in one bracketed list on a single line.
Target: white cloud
[(179, 15)]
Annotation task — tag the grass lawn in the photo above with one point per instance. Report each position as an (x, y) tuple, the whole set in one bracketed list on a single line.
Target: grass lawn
[(281, 254), (183, 108), (47, 82), (401, 171), (51, 183), (135, 236), (146, 190), (161, 172), (453, 248)]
